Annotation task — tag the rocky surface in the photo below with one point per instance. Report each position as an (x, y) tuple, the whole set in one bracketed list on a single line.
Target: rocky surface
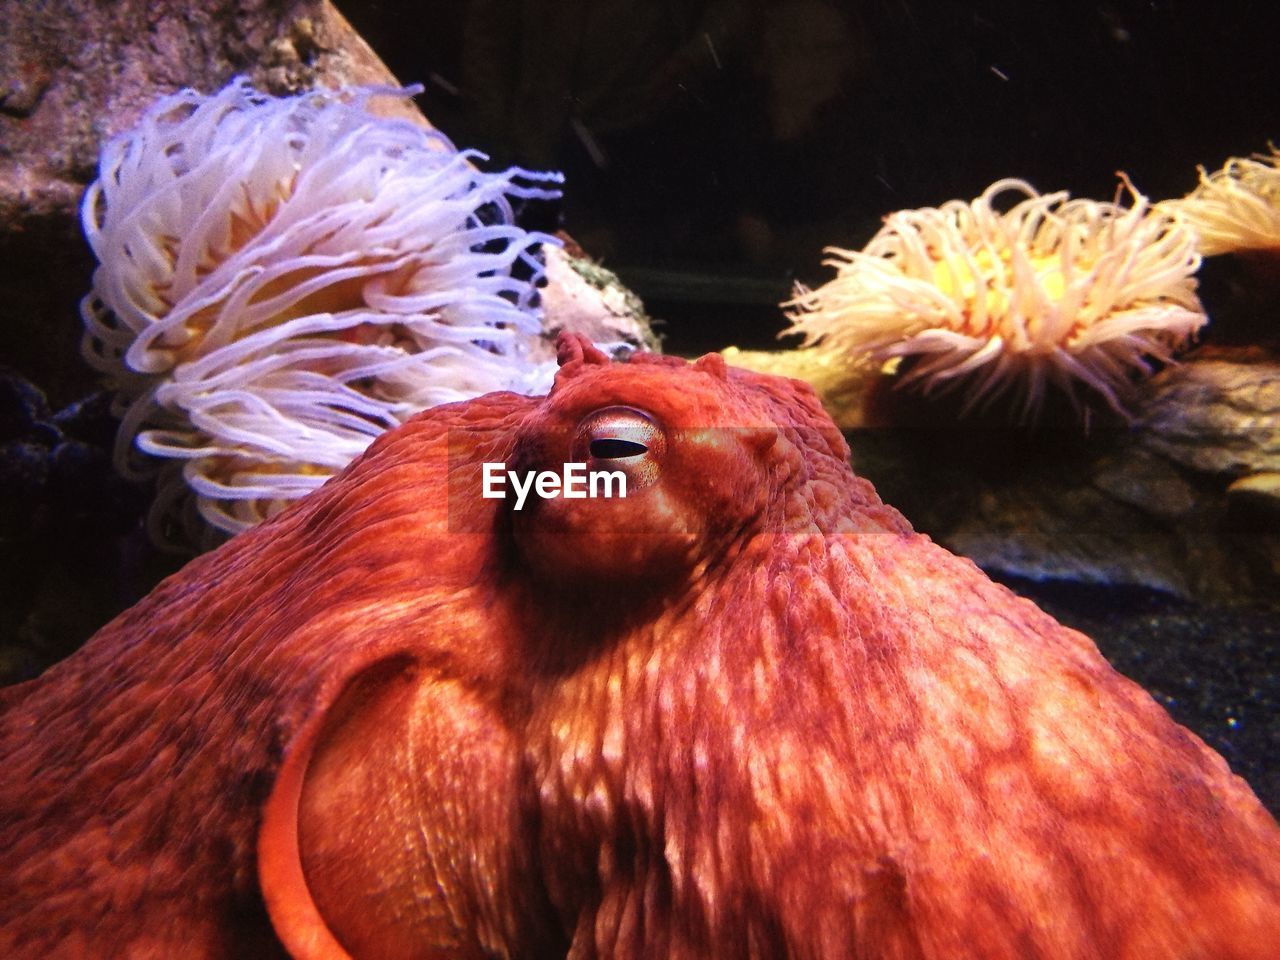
[(582, 295), (76, 72), (72, 552)]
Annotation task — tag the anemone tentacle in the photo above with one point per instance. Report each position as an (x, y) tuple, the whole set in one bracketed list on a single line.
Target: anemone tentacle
[(1235, 208), (282, 279), (1052, 292)]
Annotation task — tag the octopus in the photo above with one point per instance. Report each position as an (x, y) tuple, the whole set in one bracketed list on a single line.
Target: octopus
[(742, 712)]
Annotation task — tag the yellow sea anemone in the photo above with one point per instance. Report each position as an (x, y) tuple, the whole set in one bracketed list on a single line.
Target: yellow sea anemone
[(1236, 208), (281, 279), (1051, 292)]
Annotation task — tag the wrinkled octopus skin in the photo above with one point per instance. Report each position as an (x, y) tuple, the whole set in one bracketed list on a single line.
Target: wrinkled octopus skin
[(742, 712)]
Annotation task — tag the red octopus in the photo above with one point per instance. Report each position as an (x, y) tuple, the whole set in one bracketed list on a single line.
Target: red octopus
[(742, 712)]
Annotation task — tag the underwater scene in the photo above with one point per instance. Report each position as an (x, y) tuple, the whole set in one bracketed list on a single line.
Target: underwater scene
[(639, 478)]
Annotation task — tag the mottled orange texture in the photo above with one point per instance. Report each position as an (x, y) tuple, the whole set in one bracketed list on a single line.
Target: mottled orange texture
[(744, 712)]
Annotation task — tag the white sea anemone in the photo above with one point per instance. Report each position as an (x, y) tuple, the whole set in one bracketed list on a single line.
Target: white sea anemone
[(1051, 292), (1236, 208), (282, 279)]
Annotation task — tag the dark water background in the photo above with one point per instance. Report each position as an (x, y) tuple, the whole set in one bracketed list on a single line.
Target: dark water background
[(712, 148)]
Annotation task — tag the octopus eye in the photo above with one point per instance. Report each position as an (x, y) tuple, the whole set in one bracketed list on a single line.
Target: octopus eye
[(615, 448), (637, 522), (621, 438)]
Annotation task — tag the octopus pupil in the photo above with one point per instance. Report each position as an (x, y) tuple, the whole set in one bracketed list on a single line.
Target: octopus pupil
[(611, 448)]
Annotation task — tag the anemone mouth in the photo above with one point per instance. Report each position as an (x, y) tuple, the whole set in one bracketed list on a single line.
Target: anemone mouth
[(281, 279), (1012, 294), (1235, 208)]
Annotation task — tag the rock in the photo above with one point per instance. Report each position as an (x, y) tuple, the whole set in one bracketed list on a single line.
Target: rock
[(70, 555), (77, 72), (1261, 489), (583, 296)]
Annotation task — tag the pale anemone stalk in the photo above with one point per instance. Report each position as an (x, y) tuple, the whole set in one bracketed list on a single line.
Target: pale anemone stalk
[(1051, 293), (1235, 209), (282, 279)]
